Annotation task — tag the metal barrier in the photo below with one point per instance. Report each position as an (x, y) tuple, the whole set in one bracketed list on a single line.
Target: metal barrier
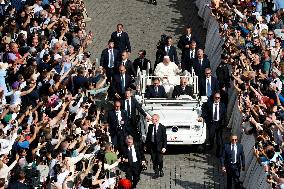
[(253, 177)]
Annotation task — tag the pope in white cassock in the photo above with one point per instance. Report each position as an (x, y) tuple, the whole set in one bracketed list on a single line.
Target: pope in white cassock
[(168, 72)]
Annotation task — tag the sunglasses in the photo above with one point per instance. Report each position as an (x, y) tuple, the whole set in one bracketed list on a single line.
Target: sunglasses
[(217, 97), (208, 73), (233, 139)]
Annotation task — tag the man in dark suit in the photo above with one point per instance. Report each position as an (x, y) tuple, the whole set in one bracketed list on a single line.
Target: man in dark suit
[(185, 41), (118, 125), (109, 60), (167, 50), (200, 63), (20, 183), (214, 113), (131, 105), (121, 39), (155, 90), (191, 53), (208, 85), (133, 157), (128, 64), (141, 62), (232, 160), (182, 89), (120, 83), (156, 143)]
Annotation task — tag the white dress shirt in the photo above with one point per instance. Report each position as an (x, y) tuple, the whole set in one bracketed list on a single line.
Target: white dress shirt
[(201, 61), (124, 62), (192, 53), (119, 118), (123, 77), (110, 51), (155, 127), (134, 157), (235, 148), (188, 37), (218, 111), (119, 34), (167, 48), (129, 105)]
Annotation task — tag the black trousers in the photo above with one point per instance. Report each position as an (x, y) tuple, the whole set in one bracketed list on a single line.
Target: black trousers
[(133, 128), (215, 130), (233, 175), (157, 158), (133, 173)]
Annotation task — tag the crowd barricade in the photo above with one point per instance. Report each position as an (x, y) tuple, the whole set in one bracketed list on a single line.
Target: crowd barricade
[(254, 176)]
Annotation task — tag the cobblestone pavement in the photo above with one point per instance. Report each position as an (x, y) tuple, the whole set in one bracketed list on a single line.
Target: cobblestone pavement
[(184, 168)]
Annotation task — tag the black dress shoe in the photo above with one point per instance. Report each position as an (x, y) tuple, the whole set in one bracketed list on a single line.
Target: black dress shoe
[(162, 173), (155, 176)]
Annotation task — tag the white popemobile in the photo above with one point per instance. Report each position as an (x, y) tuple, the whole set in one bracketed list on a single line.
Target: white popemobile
[(179, 116)]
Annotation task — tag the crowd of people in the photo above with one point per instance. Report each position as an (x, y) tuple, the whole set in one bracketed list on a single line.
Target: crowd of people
[(253, 34), (68, 123)]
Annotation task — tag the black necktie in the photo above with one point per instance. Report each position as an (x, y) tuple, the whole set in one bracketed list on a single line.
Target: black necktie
[(155, 134), (130, 160), (233, 154), (128, 108), (156, 91), (215, 113), (122, 84)]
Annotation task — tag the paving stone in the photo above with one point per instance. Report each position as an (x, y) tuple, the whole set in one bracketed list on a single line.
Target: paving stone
[(184, 169)]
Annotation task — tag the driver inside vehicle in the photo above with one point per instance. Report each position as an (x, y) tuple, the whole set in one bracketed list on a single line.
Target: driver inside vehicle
[(183, 89)]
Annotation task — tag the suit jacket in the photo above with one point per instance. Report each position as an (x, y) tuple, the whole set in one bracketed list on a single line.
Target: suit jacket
[(207, 112), (183, 41), (172, 54), (178, 91), (226, 157), (114, 124), (186, 62), (129, 68), (200, 69), (139, 153), (150, 92), (121, 43), (116, 84), (161, 137), (134, 106), (203, 85), (137, 63), (105, 58)]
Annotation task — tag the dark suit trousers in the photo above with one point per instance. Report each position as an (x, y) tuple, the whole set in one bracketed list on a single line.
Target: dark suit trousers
[(233, 174), (110, 73), (133, 173), (215, 129), (157, 158), (133, 128), (118, 139)]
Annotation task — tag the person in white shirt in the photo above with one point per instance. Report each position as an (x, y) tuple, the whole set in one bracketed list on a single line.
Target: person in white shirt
[(168, 71)]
